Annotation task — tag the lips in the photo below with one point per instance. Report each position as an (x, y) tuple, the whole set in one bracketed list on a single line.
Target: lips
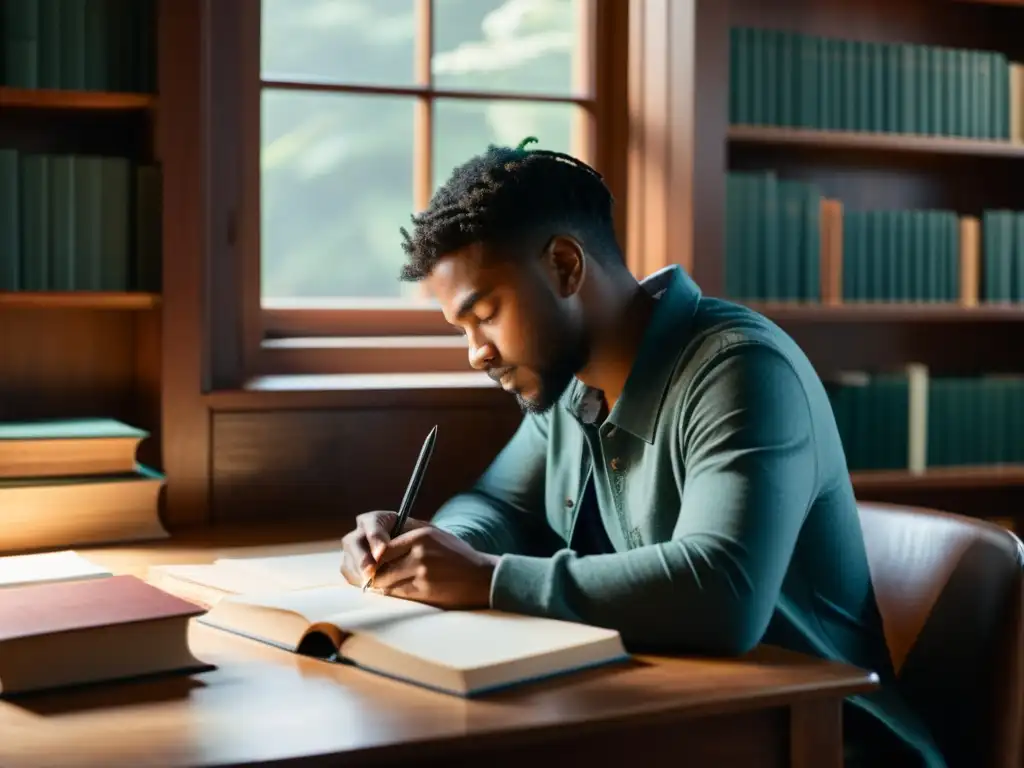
[(502, 376)]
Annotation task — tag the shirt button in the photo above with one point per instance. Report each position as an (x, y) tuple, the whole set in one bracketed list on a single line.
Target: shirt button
[(568, 503), (614, 463)]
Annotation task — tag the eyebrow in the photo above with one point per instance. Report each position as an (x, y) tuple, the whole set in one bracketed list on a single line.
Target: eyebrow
[(469, 302)]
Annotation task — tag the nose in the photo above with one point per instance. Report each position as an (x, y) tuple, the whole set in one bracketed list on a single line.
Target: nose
[(481, 355)]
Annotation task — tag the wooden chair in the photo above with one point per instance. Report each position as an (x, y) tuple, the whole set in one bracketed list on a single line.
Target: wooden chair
[(949, 592)]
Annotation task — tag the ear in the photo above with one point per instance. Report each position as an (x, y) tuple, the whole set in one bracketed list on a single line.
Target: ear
[(567, 264)]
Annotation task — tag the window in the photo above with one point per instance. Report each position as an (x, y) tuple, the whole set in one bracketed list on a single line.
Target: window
[(364, 108)]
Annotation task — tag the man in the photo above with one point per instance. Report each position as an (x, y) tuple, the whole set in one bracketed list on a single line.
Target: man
[(677, 475)]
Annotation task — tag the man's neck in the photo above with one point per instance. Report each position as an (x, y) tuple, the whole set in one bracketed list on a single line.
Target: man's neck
[(617, 344)]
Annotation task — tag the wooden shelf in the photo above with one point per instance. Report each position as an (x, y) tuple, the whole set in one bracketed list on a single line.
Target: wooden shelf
[(872, 142), (74, 100), (938, 478), (78, 300), (887, 312), (1016, 3)]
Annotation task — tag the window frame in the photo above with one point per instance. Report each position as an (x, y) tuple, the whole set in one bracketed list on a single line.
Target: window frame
[(371, 336)]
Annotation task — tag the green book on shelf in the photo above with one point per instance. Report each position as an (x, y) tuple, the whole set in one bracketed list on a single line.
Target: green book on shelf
[(61, 189), (810, 82), (115, 226), (35, 224), (19, 27), (51, 43), (790, 233), (1018, 256), (148, 229), (88, 197), (10, 221), (734, 236), (938, 422), (910, 269), (769, 287)]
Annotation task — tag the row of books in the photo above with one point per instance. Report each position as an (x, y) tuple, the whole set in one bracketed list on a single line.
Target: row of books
[(89, 45), (78, 222), (1003, 255), (785, 78), (909, 420), (773, 248), (899, 256), (785, 241)]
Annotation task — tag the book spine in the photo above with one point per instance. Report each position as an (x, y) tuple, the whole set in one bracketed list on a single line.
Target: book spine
[(10, 221)]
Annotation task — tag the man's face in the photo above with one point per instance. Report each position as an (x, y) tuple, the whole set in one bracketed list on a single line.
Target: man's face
[(519, 320)]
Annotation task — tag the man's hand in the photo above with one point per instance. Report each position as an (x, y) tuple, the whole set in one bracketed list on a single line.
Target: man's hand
[(432, 566), (363, 547)]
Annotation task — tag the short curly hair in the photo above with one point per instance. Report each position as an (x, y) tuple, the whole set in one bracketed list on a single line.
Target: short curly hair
[(505, 193)]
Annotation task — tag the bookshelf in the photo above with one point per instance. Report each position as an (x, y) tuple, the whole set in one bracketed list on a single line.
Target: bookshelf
[(52, 98), (824, 141), (873, 146), (80, 299), (80, 214), (881, 312)]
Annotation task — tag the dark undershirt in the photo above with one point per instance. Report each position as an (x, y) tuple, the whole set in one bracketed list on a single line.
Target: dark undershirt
[(590, 536)]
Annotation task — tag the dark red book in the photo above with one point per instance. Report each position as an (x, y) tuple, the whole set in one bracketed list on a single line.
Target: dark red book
[(72, 633)]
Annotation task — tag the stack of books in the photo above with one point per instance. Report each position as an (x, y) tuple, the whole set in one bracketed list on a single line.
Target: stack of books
[(75, 482), (67, 621)]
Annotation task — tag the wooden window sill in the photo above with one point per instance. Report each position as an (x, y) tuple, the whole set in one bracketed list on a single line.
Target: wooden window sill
[(437, 389), (331, 355)]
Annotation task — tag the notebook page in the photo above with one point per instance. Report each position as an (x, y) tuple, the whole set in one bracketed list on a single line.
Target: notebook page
[(299, 571), (215, 577)]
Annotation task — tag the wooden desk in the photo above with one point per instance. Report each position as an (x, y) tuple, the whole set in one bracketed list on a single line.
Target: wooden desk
[(265, 706)]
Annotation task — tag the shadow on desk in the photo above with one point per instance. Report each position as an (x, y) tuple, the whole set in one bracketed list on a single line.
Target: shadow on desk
[(163, 688)]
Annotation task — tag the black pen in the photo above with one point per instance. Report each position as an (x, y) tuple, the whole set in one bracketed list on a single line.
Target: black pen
[(412, 489)]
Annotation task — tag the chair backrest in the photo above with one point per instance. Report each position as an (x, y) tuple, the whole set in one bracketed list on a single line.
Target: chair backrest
[(949, 589)]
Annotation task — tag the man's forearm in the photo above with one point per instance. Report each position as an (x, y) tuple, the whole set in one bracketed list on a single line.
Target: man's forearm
[(486, 524), (694, 596)]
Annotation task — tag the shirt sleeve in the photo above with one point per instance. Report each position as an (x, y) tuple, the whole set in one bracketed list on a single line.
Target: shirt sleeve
[(503, 513), (747, 440)]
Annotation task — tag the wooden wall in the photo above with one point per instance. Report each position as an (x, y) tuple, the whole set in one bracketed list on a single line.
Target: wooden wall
[(339, 462)]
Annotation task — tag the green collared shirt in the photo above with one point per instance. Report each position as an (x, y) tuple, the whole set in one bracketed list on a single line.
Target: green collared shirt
[(722, 484)]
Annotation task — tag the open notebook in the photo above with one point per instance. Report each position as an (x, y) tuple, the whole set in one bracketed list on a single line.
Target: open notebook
[(301, 602), (460, 652)]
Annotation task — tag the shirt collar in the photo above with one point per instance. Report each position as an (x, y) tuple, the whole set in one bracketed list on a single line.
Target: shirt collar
[(639, 406)]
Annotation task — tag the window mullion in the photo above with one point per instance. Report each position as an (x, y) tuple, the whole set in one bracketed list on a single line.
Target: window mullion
[(584, 139), (423, 152), (423, 116)]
